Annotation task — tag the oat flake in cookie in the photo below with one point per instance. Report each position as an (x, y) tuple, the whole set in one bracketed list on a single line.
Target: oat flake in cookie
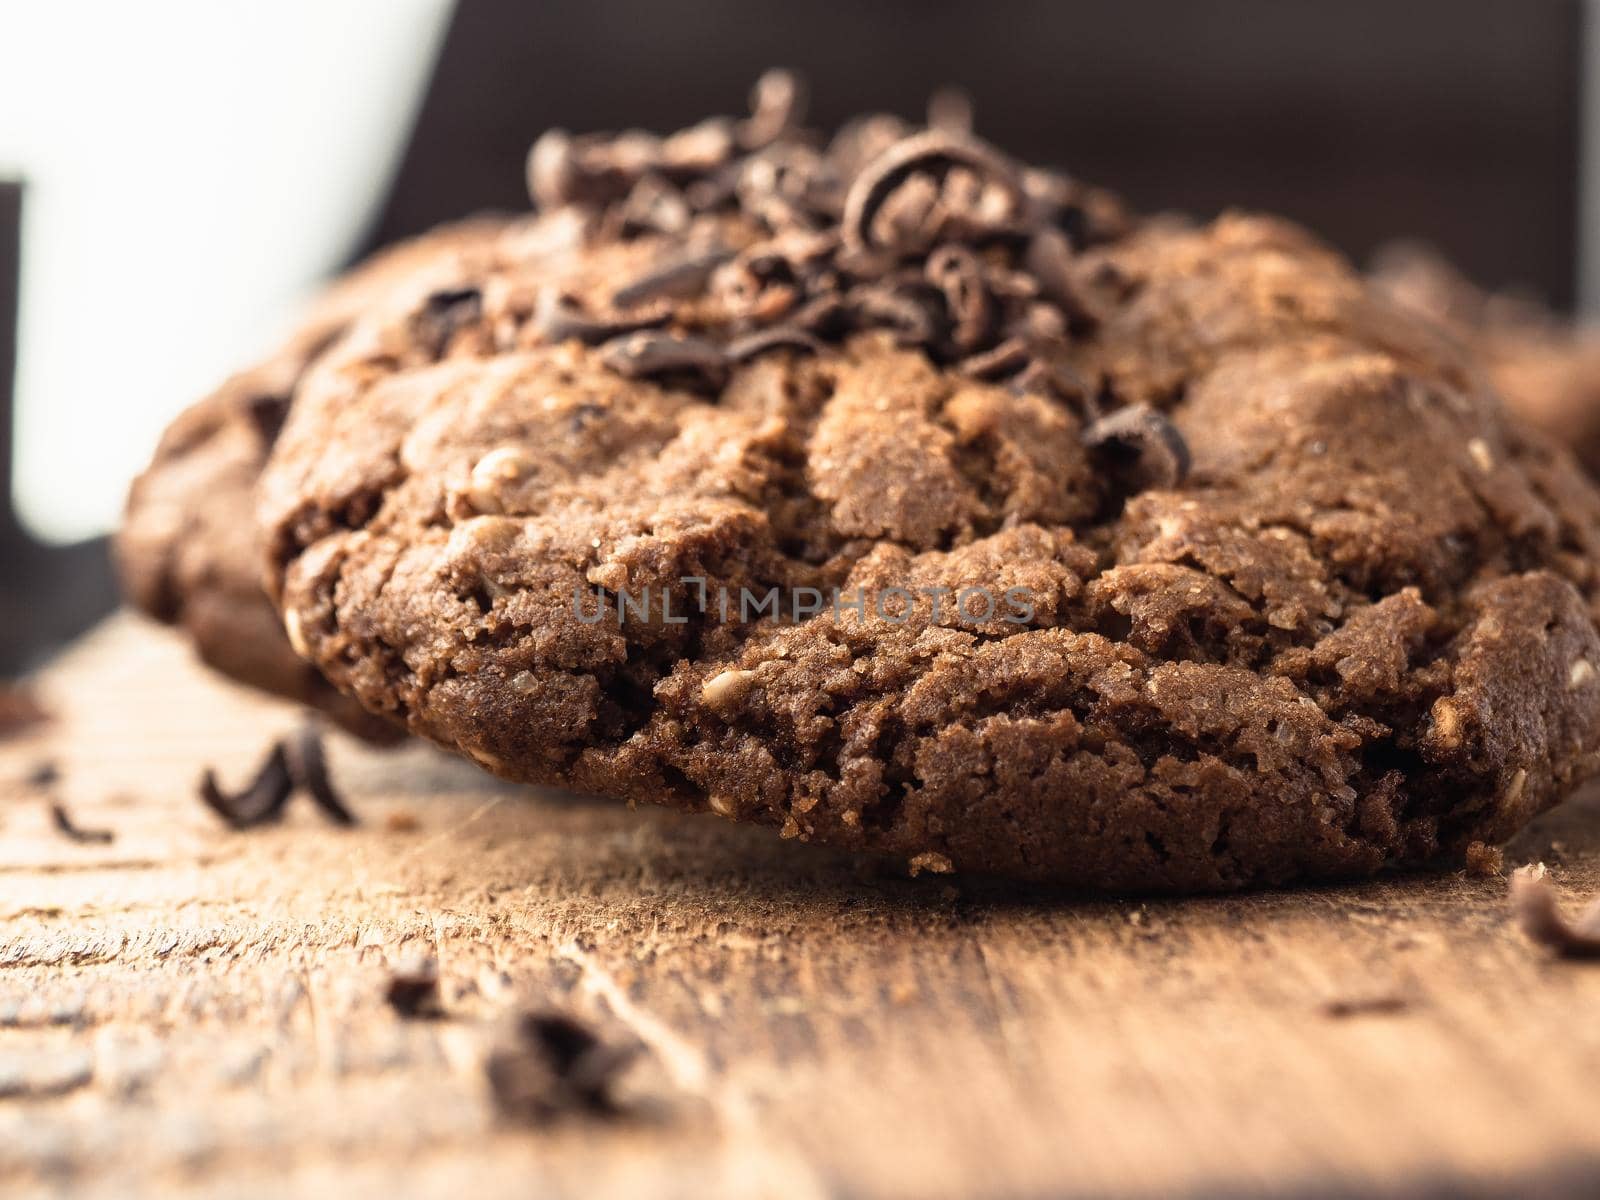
[(188, 553), (1299, 601)]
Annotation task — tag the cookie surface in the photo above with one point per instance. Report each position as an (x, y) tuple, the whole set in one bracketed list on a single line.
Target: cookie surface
[(1546, 368), (1147, 556), (188, 552)]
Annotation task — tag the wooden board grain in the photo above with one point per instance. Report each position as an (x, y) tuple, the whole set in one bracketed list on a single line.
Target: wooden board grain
[(189, 1010)]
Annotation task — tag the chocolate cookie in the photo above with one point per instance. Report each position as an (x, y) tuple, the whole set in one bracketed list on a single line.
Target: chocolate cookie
[(188, 553), (903, 498), (1546, 367)]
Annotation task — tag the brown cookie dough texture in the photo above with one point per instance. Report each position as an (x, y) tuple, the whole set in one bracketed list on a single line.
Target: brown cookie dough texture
[(1303, 602), (1545, 367), (188, 552)]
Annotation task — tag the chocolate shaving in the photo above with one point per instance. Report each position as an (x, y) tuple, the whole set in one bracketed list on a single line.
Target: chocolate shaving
[(261, 801), (910, 312), (1049, 260), (71, 830), (700, 148), (639, 355), (1009, 357), (1161, 456), (557, 319), (308, 767), (296, 764), (950, 111), (555, 1066), (931, 235), (653, 205), (956, 272), (777, 104), (267, 414), (413, 992), (1533, 901), (552, 171), (443, 314), (681, 277), (778, 337), (927, 151)]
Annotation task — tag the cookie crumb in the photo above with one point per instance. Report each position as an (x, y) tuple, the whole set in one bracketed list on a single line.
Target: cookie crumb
[(556, 1065), (402, 821), (1485, 861), (932, 862), (1533, 902), (413, 991)]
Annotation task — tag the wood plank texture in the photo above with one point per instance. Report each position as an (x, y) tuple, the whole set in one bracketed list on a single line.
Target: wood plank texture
[(189, 1010)]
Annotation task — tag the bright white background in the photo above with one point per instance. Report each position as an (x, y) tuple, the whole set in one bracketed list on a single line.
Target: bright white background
[(192, 168)]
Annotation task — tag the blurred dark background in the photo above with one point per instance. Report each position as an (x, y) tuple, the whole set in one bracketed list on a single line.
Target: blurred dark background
[(1453, 120)]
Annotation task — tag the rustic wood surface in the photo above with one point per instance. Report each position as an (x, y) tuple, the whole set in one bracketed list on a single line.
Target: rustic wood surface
[(187, 1009)]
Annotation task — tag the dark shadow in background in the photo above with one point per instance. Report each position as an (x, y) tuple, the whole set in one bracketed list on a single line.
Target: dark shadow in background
[(1453, 119)]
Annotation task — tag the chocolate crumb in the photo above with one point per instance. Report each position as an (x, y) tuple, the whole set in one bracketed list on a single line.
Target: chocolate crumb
[(1485, 861), (413, 992), (556, 1065), (260, 802), (1533, 901), (72, 831), (44, 774), (445, 312)]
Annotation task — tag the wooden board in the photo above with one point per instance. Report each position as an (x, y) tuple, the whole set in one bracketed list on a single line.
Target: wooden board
[(190, 1009)]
